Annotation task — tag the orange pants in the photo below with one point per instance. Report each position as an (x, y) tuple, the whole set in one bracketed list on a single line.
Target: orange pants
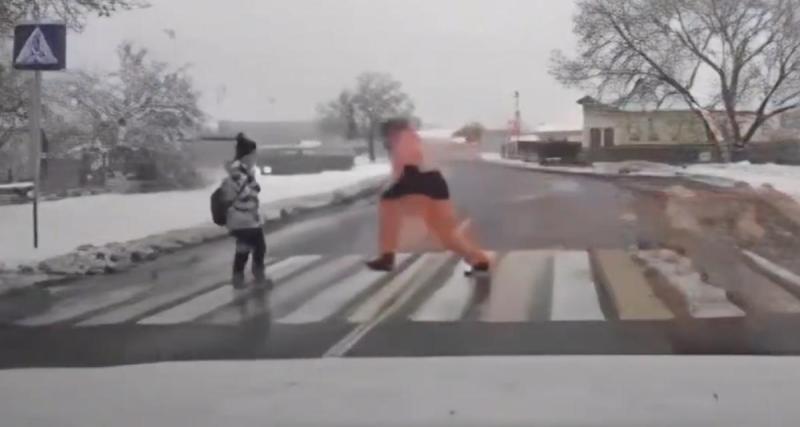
[(439, 217)]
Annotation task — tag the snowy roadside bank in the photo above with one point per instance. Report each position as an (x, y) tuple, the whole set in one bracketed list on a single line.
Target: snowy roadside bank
[(775, 186), (115, 231), (785, 179)]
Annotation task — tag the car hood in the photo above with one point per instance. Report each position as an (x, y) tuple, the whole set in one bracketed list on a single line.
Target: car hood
[(495, 391)]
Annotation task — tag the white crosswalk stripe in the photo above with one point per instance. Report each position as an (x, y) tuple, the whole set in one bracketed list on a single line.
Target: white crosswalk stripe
[(449, 302), (520, 288), (574, 293), (206, 303), (525, 286), (335, 297)]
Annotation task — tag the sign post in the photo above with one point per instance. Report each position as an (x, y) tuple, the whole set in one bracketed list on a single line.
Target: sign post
[(38, 47)]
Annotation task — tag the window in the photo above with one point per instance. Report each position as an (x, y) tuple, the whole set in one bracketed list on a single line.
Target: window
[(608, 137), (652, 135), (596, 138), (634, 131)]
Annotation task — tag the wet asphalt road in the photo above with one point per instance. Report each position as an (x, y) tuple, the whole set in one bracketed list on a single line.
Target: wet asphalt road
[(180, 308)]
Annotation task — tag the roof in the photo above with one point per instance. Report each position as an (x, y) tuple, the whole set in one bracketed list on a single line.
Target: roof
[(589, 101), (549, 127)]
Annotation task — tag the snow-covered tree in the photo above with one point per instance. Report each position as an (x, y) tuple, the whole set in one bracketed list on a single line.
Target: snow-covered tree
[(73, 12), (143, 105), (13, 99)]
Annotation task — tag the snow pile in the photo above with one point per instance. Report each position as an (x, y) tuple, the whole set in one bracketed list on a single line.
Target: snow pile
[(785, 179), (96, 224), (636, 167)]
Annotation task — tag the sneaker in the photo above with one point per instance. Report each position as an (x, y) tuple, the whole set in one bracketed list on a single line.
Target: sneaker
[(478, 269), (383, 263)]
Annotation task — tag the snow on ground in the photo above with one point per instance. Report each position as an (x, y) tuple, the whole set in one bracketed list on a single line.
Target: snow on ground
[(68, 223), (16, 186), (785, 179)]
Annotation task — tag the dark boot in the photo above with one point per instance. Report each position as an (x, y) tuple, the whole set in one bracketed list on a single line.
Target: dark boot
[(261, 280), (383, 263), (240, 290), (238, 281)]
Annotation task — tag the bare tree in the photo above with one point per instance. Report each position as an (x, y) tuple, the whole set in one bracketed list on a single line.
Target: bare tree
[(358, 112), (472, 132), (742, 55), (73, 12), (377, 97), (338, 117)]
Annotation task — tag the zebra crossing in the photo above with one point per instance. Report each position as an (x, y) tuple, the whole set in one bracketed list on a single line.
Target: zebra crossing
[(526, 286)]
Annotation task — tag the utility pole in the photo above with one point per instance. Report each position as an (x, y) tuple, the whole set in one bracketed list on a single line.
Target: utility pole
[(517, 115)]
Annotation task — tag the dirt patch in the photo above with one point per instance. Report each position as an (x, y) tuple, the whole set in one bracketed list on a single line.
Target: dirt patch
[(712, 226)]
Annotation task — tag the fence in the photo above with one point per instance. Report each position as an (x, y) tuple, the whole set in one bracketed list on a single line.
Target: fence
[(782, 152), (663, 153)]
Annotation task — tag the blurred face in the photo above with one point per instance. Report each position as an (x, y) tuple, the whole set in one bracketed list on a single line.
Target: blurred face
[(249, 160), (403, 136)]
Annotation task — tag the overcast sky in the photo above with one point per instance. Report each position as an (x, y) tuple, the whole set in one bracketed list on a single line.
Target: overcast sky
[(269, 60)]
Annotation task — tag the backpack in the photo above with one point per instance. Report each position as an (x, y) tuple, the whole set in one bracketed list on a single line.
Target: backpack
[(220, 206)]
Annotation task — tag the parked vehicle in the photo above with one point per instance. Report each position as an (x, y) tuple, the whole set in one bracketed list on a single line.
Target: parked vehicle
[(295, 159), (530, 149), (563, 152)]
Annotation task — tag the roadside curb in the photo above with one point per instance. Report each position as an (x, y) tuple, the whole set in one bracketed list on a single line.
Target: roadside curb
[(783, 277), (701, 179), (276, 214)]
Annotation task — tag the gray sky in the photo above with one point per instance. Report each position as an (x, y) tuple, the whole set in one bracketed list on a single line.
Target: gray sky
[(276, 59)]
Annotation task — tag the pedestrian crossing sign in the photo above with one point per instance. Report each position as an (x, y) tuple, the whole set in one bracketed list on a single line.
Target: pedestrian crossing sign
[(40, 47)]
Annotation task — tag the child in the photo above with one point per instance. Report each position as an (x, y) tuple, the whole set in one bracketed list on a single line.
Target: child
[(418, 186), (244, 221)]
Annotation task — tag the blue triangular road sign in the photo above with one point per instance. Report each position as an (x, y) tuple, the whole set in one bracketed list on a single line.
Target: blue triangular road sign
[(36, 51)]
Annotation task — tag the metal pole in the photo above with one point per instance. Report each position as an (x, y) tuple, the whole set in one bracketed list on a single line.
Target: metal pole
[(36, 140)]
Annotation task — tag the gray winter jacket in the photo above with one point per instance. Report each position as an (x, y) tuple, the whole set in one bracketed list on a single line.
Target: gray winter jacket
[(242, 189)]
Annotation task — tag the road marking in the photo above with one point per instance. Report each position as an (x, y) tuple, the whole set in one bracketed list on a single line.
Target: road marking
[(208, 302), (84, 306), (450, 301), (574, 293), (370, 308), (631, 293), (75, 307), (290, 295), (418, 274), (521, 288), (164, 300), (781, 275), (701, 299), (332, 299)]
